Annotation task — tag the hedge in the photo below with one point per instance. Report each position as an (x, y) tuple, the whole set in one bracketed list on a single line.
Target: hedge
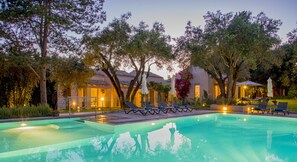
[(24, 112)]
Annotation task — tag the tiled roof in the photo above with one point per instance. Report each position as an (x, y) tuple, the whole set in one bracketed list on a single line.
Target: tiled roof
[(133, 73), (124, 81), (123, 73), (118, 72), (103, 82)]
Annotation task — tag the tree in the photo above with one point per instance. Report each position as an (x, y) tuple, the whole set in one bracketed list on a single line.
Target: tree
[(47, 27), (146, 47), (104, 51), (182, 84), (293, 63), (120, 45), (16, 80), (229, 46), (67, 71), (284, 74)]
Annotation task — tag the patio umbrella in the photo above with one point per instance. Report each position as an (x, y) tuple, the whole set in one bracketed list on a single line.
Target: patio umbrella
[(249, 83), (172, 90), (144, 89), (269, 88)]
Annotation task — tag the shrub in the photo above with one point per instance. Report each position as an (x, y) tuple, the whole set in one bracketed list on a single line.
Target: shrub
[(226, 101), (292, 91), (24, 112)]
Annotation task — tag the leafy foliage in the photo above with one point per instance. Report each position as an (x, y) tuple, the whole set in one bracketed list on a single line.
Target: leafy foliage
[(16, 79), (284, 75), (182, 84), (45, 27), (162, 90), (71, 70), (24, 112), (121, 45), (229, 46)]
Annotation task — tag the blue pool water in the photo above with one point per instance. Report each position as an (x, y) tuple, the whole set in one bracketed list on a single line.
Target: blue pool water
[(207, 138)]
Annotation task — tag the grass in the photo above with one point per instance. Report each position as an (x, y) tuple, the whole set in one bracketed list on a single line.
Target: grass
[(292, 104)]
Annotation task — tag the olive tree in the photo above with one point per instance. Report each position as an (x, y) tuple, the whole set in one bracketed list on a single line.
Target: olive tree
[(229, 46), (121, 45)]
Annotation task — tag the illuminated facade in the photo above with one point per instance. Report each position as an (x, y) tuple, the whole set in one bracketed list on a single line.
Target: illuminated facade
[(99, 91)]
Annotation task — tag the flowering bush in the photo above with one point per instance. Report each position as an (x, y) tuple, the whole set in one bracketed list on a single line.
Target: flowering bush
[(182, 85)]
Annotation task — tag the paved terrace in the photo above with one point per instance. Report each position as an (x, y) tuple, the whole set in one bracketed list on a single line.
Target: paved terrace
[(121, 117)]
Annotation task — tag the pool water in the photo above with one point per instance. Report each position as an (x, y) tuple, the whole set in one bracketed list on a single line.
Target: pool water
[(209, 138)]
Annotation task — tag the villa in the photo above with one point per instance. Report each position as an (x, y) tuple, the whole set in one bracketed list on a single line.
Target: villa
[(99, 91)]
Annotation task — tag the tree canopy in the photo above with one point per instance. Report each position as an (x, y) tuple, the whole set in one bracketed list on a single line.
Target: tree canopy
[(46, 27), (284, 75), (68, 71), (121, 45), (229, 46), (16, 79)]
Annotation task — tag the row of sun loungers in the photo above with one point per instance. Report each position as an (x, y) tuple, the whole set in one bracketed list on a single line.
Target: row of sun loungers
[(281, 107), (152, 110)]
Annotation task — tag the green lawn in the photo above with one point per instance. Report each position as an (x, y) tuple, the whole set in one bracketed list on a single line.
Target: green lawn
[(292, 104)]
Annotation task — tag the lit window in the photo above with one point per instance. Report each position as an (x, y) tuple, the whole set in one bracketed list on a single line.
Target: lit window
[(217, 90), (197, 91)]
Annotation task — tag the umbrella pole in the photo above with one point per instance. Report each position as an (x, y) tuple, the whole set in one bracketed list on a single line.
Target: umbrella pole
[(172, 100)]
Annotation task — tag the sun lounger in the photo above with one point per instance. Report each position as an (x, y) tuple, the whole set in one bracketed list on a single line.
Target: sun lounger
[(150, 108), (281, 107), (184, 108), (167, 108), (262, 107), (134, 108)]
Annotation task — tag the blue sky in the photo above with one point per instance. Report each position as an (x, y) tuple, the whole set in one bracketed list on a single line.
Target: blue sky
[(174, 14)]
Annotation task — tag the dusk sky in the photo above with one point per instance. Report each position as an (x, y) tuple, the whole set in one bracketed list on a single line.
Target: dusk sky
[(174, 14)]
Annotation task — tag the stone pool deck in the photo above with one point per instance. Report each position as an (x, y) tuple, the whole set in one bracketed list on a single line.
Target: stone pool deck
[(121, 117)]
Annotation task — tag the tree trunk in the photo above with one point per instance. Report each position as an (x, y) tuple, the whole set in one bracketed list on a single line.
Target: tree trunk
[(44, 42), (116, 84), (131, 92), (229, 85), (221, 84), (135, 90), (43, 96)]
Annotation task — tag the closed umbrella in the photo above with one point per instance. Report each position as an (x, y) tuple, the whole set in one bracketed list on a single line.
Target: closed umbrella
[(172, 90), (144, 89), (269, 88)]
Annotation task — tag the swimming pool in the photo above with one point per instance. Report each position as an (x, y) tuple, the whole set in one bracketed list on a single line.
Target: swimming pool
[(210, 138)]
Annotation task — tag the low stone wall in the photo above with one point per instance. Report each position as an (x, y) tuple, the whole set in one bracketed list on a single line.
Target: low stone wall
[(230, 108)]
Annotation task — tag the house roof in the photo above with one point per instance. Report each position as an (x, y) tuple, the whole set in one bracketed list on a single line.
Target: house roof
[(133, 73), (152, 77), (99, 72), (124, 81), (92, 81), (123, 73), (118, 72)]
